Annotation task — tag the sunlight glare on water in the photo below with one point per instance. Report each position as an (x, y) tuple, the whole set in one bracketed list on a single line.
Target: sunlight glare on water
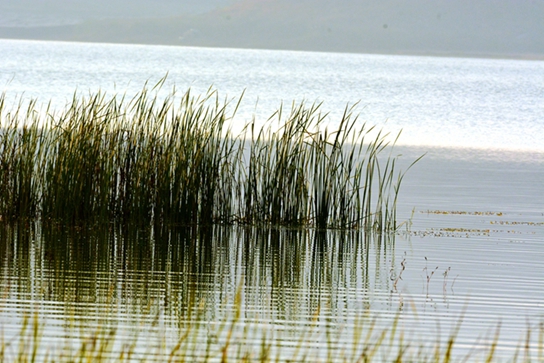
[(454, 102)]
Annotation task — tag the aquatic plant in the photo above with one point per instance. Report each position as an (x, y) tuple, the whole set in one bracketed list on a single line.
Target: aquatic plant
[(176, 161), (235, 340)]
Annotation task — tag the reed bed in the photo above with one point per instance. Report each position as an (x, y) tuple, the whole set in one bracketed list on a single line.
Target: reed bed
[(176, 161)]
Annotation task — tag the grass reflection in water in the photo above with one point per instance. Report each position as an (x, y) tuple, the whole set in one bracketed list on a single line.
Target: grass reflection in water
[(212, 294)]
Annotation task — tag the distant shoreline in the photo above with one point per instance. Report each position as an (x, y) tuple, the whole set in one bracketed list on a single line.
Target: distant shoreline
[(445, 54), (439, 28)]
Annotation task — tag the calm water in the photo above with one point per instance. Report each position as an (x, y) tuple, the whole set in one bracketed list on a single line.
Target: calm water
[(435, 101), (475, 206)]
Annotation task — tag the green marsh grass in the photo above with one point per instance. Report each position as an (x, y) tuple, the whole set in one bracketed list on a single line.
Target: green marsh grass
[(176, 161)]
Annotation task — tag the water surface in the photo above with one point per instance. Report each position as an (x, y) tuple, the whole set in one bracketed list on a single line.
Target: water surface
[(470, 249), (459, 102)]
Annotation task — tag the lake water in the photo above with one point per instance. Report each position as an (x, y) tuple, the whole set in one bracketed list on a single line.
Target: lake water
[(474, 206), (435, 101)]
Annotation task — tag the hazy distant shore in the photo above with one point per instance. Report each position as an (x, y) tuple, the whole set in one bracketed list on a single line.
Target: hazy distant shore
[(54, 34), (467, 28)]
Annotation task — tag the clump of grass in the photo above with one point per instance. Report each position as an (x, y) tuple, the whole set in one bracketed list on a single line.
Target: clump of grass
[(176, 161)]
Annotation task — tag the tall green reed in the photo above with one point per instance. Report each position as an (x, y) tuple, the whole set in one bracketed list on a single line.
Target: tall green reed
[(21, 149), (176, 161)]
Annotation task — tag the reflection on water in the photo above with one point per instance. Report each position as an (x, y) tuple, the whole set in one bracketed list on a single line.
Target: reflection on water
[(127, 278), (292, 288), (471, 251)]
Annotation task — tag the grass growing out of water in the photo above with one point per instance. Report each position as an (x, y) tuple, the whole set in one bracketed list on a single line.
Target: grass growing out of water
[(176, 161), (235, 340)]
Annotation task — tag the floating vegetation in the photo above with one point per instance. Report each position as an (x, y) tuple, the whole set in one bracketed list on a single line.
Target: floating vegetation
[(176, 161), (517, 226), (452, 232), (517, 223), (498, 214), (467, 232)]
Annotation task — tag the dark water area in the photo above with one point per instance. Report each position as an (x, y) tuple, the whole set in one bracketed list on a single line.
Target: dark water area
[(137, 267)]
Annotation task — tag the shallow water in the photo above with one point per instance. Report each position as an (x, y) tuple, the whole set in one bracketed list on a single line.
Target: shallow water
[(471, 249), (474, 211)]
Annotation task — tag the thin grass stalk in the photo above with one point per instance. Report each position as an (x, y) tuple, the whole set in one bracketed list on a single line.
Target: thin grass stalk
[(491, 353)]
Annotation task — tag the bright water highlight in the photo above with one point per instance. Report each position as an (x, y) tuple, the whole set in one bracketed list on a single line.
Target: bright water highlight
[(452, 102)]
